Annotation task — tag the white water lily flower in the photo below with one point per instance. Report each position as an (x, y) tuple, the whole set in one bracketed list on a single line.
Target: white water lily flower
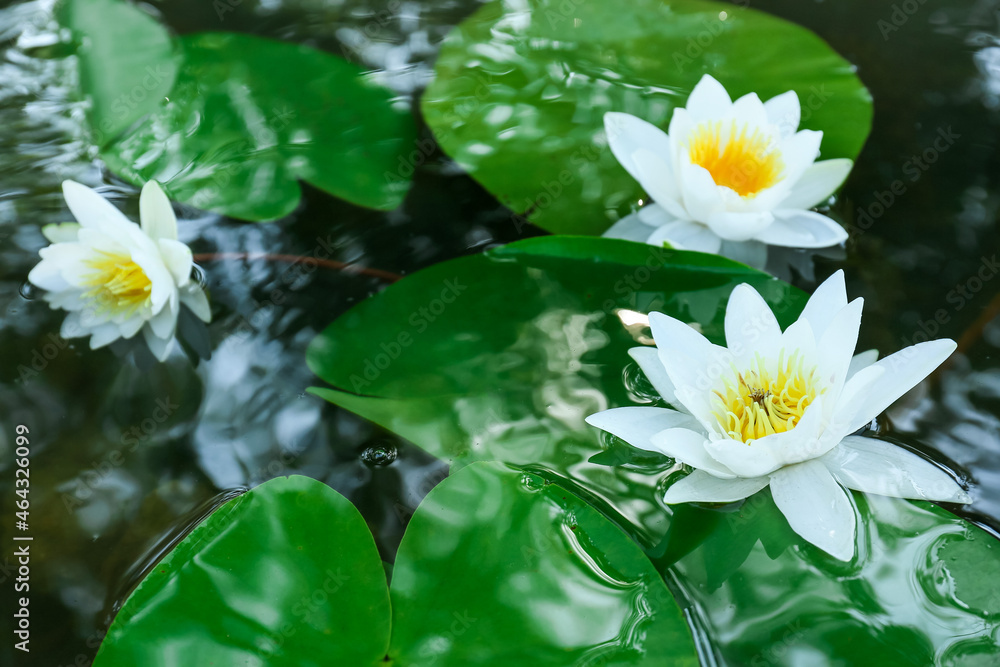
[(779, 409), (116, 278), (728, 171)]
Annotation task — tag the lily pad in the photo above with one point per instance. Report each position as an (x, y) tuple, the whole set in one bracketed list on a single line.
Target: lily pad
[(498, 567), (501, 356), (128, 62), (536, 338), (287, 574), (245, 119), (521, 89)]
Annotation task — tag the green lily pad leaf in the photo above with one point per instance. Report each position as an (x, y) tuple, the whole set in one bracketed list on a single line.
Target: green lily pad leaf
[(286, 574), (128, 62), (244, 119), (498, 567), (500, 357), (521, 90)]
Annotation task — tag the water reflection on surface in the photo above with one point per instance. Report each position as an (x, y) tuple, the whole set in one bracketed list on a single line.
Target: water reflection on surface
[(107, 496)]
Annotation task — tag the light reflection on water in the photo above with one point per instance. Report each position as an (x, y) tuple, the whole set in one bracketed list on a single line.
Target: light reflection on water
[(109, 496)]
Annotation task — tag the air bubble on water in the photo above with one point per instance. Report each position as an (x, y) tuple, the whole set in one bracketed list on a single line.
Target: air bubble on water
[(198, 275), (636, 383), (532, 482), (27, 291), (381, 454)]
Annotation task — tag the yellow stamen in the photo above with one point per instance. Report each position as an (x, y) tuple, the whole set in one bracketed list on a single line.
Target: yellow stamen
[(756, 403), (747, 162), (117, 283)]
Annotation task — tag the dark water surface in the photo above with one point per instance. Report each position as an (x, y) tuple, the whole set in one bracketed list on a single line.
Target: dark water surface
[(125, 457)]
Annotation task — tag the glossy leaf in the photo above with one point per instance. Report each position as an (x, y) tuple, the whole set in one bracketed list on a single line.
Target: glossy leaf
[(501, 356), (127, 62), (537, 338), (521, 90), (498, 567), (287, 574), (244, 119)]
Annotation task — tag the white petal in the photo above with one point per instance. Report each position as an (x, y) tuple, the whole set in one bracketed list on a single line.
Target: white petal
[(103, 335), (688, 447), (876, 466), (177, 258), (686, 235), (656, 175), (784, 111), (657, 214), (160, 347), (799, 152), (164, 323), (629, 228), (47, 274), (156, 214), (691, 361), (709, 99), (92, 210), (861, 360), (852, 400), (193, 296), (740, 226), (802, 229), (750, 110), (903, 371), (700, 487), (73, 328), (751, 327), (164, 289), (700, 193), (817, 508), (649, 361), (817, 183), (65, 232), (825, 302), (131, 326), (637, 425), (837, 345)]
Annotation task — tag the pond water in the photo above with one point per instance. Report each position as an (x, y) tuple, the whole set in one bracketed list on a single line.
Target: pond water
[(127, 455)]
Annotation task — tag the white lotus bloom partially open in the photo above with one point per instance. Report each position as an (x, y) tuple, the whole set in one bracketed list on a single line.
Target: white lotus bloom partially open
[(779, 409), (114, 277), (728, 171)]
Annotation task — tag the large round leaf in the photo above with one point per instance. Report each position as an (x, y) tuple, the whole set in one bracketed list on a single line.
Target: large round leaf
[(499, 568), (231, 123), (501, 356), (286, 574), (522, 88), (535, 338)]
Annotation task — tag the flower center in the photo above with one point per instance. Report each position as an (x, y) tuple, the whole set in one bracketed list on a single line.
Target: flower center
[(756, 402), (744, 161), (117, 283)]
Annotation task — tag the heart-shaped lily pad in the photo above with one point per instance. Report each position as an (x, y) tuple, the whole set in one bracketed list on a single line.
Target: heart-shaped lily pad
[(521, 89), (496, 568), (230, 122)]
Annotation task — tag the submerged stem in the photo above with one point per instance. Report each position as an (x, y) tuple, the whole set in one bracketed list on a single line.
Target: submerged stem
[(295, 259)]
